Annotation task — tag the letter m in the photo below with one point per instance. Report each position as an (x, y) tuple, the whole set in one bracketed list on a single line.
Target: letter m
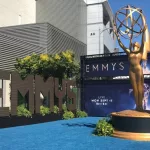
[(47, 89), (24, 87)]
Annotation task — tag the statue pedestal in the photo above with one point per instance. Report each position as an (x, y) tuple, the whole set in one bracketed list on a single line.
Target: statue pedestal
[(132, 124)]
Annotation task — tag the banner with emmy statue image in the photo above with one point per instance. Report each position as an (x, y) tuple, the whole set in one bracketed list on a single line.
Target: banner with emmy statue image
[(146, 66), (103, 99)]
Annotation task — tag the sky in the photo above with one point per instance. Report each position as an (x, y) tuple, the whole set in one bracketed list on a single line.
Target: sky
[(143, 4)]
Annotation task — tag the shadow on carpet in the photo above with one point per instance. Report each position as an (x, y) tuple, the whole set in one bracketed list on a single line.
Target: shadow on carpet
[(80, 125), (75, 134)]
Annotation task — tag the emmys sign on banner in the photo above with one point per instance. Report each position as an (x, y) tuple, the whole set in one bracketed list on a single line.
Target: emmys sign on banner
[(112, 67), (103, 68)]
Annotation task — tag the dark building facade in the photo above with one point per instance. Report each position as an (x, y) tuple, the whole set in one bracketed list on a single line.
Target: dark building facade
[(22, 40)]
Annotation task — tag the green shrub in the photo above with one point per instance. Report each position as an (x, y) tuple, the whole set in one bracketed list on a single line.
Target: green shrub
[(64, 107), (56, 110), (104, 128), (81, 114), (22, 111), (44, 110), (60, 65), (68, 115)]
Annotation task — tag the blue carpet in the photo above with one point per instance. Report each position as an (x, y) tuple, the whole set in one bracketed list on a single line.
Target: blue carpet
[(75, 134)]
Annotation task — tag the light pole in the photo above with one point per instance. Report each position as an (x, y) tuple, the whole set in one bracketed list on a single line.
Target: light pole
[(101, 33)]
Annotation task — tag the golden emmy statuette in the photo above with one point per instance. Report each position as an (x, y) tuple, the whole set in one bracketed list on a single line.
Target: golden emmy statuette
[(130, 24)]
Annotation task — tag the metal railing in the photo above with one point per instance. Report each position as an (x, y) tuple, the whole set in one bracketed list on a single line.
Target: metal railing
[(104, 55)]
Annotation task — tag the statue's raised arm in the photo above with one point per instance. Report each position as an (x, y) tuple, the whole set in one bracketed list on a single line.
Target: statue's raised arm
[(126, 50), (145, 46)]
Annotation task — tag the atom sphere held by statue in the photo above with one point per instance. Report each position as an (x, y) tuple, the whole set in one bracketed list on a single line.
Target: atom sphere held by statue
[(130, 23)]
